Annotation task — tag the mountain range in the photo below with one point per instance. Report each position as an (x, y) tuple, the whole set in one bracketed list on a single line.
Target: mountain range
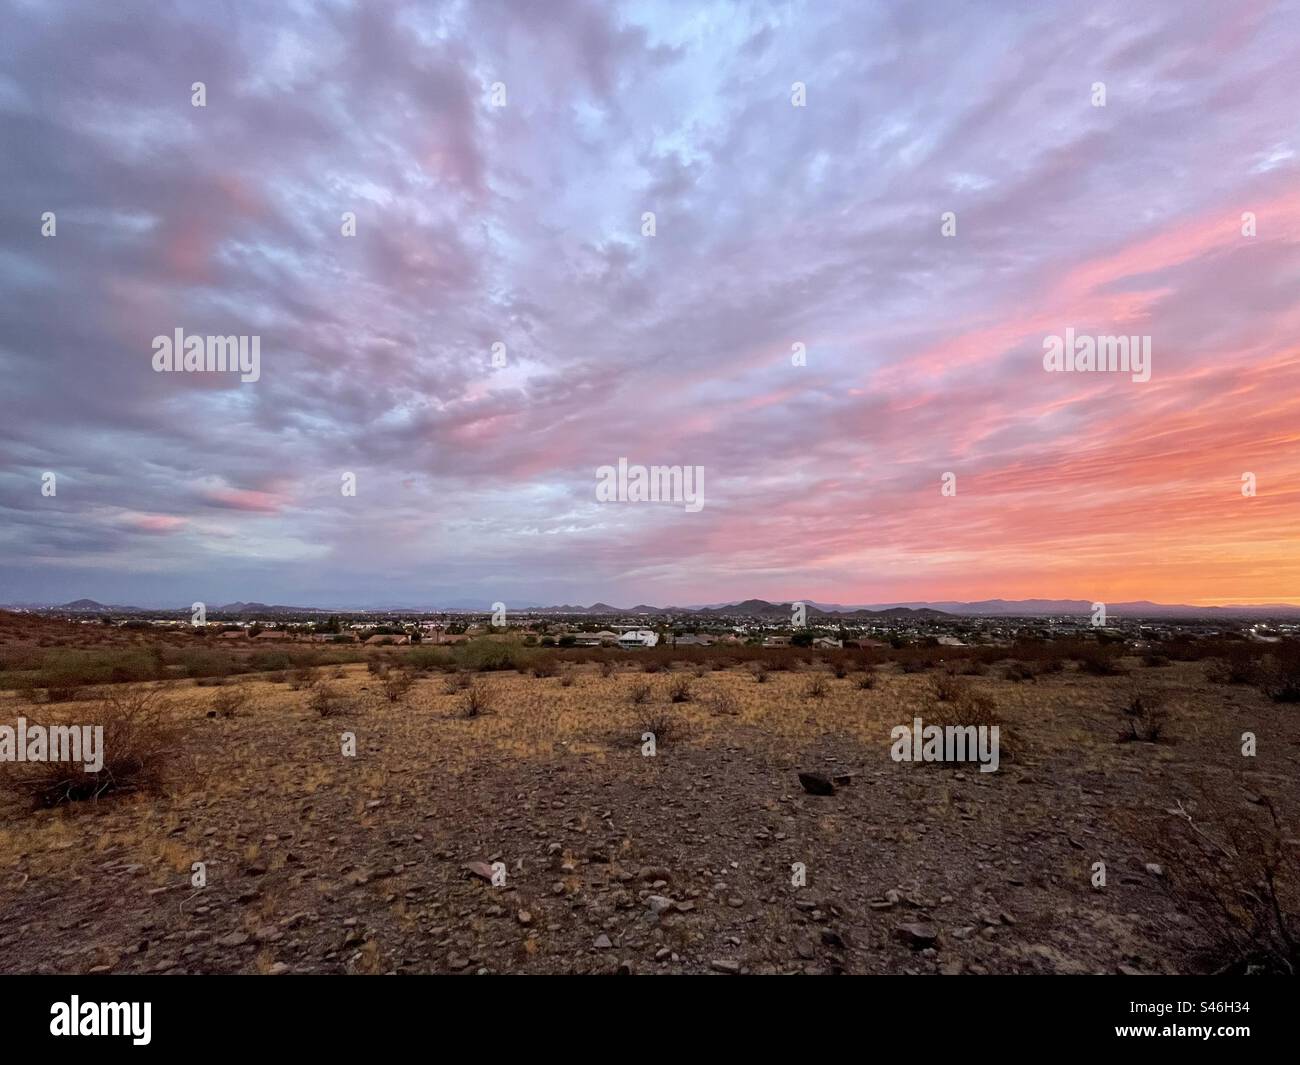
[(755, 608)]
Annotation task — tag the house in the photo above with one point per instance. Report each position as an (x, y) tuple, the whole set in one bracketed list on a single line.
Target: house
[(273, 634), (777, 641), (234, 634), (827, 642), (638, 638), (691, 639), (391, 641)]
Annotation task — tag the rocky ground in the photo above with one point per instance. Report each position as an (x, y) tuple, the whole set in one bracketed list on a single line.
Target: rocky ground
[(317, 862)]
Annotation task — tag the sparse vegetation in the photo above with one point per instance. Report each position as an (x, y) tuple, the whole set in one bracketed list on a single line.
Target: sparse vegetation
[(140, 744), (817, 688), (324, 699), (476, 700), (1144, 717), (1234, 869), (396, 684), (231, 701)]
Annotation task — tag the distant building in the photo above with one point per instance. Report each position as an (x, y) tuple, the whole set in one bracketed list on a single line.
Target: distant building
[(638, 638), (691, 639)]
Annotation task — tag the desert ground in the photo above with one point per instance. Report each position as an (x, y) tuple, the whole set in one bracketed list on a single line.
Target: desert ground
[(318, 861)]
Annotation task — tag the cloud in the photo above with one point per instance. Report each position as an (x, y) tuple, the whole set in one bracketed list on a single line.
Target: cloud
[(775, 225)]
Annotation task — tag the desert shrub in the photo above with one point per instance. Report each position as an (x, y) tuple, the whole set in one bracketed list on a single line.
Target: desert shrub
[(1233, 868), (488, 656), (1018, 671), (396, 684), (457, 682), (866, 680), (761, 675), (267, 661), (817, 688), (1237, 665), (699, 672), (1279, 675), (1155, 661), (947, 687), (639, 694), (840, 669), (300, 678), (567, 677), (477, 699), (231, 701), (327, 701), (607, 668), (914, 664), (662, 723), (375, 666), (1143, 717), (680, 690), (1100, 661), (544, 667), (139, 745), (650, 666), (968, 708), (202, 662), (721, 701), (429, 658), (64, 670)]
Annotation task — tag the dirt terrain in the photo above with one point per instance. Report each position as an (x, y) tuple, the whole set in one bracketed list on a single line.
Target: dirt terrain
[(317, 862)]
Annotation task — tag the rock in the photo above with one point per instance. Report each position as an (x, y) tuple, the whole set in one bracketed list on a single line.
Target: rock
[(952, 968), (480, 869), (842, 780), (235, 939), (278, 969), (1155, 869), (602, 942), (816, 784), (524, 918), (659, 904), (725, 965), (917, 935)]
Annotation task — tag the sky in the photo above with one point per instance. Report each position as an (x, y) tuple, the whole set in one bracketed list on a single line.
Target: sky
[(867, 219)]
